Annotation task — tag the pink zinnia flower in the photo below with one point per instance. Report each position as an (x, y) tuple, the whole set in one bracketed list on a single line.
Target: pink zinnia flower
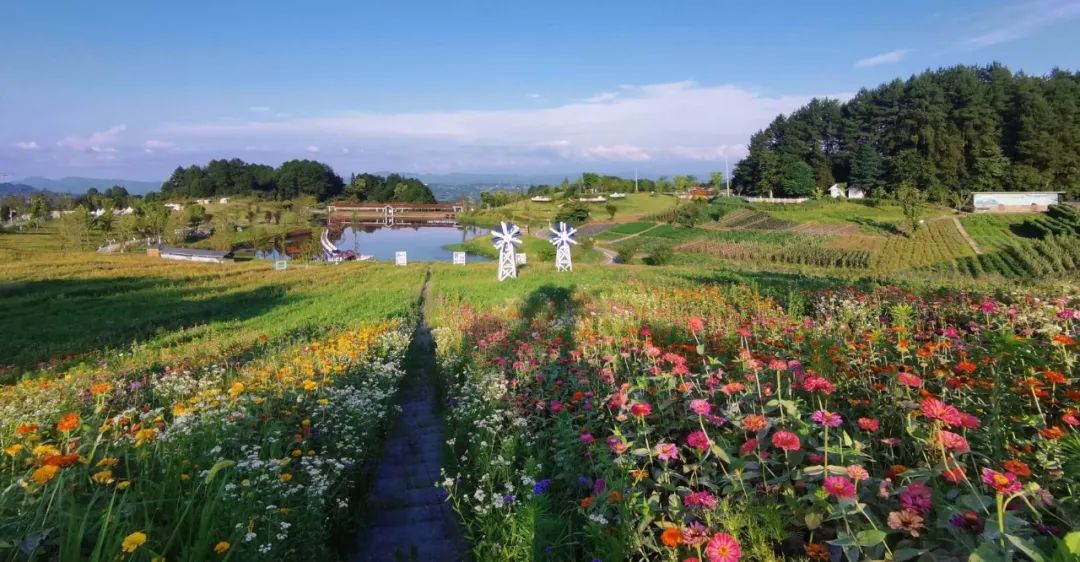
[(587, 438), (695, 534), (666, 451), (617, 445), (818, 384), (700, 407), (1004, 483), (935, 409), (968, 421), (950, 441), (698, 440), (696, 324), (749, 447), (857, 473), (916, 497), (786, 440), (907, 521), (827, 418), (699, 499), (869, 424), (640, 409), (908, 379), (723, 547), (840, 487)]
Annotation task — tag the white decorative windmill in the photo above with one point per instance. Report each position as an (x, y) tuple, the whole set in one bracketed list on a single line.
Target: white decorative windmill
[(562, 238), (506, 240)]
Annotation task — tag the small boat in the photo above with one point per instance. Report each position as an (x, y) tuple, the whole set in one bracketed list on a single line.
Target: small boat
[(541, 199), (618, 195)]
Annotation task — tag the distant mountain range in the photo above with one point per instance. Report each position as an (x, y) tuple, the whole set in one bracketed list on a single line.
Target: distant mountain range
[(20, 189), (75, 184)]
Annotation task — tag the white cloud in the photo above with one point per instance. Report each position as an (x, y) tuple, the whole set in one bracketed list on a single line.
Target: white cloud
[(884, 58), (533, 96), (259, 108), (657, 123), (27, 145), (345, 151), (312, 148), (1021, 19), (601, 97), (155, 144), (101, 141)]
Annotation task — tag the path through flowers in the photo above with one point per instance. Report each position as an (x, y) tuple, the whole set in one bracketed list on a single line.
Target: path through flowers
[(408, 516)]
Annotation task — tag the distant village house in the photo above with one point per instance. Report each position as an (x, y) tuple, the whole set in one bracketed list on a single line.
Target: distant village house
[(187, 254)]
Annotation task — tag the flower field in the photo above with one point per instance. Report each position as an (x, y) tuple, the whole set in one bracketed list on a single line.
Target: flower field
[(189, 412), (197, 461), (660, 420)]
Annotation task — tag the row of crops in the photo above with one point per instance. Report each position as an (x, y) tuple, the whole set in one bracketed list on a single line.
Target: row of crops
[(797, 252), (1059, 220)]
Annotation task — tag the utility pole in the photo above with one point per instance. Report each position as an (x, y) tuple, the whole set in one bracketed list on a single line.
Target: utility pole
[(727, 174), (635, 181)]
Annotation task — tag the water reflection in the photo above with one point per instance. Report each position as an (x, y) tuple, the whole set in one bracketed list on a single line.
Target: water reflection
[(422, 243)]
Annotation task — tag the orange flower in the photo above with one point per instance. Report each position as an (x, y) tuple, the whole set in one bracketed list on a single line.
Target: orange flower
[(754, 423), (44, 474), (1053, 432), (68, 422), (614, 497), (671, 537), (100, 388), (1063, 339), (62, 461), (895, 470), (26, 428), (585, 503), (965, 367), (817, 551), (1016, 467), (1054, 377)]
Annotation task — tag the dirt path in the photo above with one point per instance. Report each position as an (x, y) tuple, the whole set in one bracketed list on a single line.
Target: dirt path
[(964, 233), (636, 234), (408, 517)]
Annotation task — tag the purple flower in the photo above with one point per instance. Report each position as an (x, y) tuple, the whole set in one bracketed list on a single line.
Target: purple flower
[(541, 487), (917, 497)]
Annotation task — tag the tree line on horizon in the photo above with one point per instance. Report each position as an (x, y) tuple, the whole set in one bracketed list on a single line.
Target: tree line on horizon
[(290, 180), (946, 133)]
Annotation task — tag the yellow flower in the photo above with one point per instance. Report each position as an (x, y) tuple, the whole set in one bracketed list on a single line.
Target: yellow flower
[(108, 462), (295, 453), (133, 541), (45, 451), (236, 389), (45, 473), (13, 450), (104, 477), (144, 436), (310, 385), (123, 485), (285, 477), (222, 547)]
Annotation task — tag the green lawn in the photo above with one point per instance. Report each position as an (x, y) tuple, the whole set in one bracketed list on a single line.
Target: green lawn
[(882, 218), (992, 232), (633, 208)]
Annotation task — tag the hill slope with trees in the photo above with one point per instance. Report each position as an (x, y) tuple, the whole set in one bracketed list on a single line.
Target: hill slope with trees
[(946, 132)]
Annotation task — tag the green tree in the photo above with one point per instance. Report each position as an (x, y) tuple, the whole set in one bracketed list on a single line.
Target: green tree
[(798, 180), (867, 168), (611, 210), (911, 204)]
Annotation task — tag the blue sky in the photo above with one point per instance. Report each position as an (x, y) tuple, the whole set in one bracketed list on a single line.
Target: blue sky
[(133, 89)]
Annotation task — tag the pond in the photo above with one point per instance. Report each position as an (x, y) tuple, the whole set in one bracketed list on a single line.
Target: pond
[(421, 242)]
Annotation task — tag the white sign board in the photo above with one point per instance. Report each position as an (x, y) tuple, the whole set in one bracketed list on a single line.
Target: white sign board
[(459, 258), (521, 259), (400, 258), (281, 265)]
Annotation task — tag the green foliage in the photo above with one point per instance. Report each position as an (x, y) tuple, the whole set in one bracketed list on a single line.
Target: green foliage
[(627, 251), (392, 188), (236, 177), (797, 181), (573, 213), (961, 128), (911, 204)]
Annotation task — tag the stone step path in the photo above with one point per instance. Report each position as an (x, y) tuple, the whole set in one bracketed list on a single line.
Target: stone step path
[(408, 517)]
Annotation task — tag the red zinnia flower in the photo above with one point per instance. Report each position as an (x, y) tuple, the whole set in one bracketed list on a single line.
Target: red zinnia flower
[(786, 440), (640, 409)]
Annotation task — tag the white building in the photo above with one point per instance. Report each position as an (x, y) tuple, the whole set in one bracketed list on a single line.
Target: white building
[(174, 206), (835, 191), (1013, 201), (203, 201), (223, 200), (855, 193)]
